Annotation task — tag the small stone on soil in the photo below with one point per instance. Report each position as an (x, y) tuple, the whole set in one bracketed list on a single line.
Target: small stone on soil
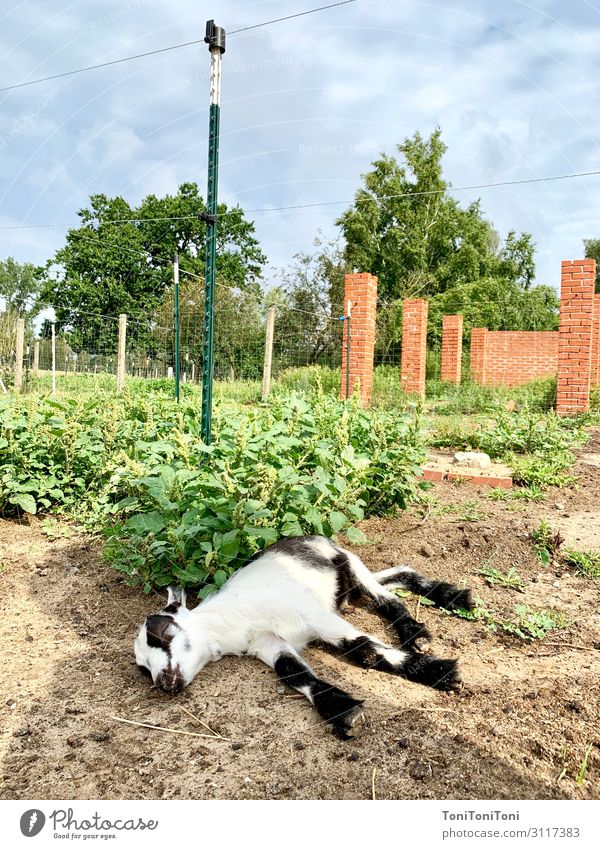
[(353, 757), (426, 550), (99, 736), (74, 742)]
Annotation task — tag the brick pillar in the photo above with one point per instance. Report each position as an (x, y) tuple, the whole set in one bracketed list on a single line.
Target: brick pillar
[(361, 291), (477, 360), (578, 279), (595, 372), (452, 332), (414, 345)]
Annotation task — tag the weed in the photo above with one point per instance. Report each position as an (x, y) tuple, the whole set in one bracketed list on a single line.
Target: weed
[(583, 766), (509, 579), (55, 530), (546, 543), (521, 493), (533, 624), (585, 563)]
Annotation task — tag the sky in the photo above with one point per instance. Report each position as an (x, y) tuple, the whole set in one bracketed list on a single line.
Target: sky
[(306, 106)]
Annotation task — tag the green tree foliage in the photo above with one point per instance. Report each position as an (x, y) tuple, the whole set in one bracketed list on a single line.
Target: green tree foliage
[(406, 228), (497, 304), (20, 284), (239, 328), (592, 251), (110, 265), (312, 295)]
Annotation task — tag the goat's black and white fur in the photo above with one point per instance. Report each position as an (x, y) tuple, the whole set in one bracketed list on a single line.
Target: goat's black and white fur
[(286, 597)]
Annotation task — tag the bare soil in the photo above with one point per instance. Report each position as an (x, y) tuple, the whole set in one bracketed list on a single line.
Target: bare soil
[(518, 729)]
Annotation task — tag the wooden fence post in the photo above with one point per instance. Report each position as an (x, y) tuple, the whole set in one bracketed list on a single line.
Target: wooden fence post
[(36, 358), (121, 352), (268, 363), (19, 351)]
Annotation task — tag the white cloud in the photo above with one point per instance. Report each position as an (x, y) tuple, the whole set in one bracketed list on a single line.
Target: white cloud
[(306, 106)]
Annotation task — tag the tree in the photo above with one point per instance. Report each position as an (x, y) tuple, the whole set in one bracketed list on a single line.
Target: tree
[(308, 327), (496, 304), (592, 251), (20, 285), (120, 260), (406, 228), (239, 338)]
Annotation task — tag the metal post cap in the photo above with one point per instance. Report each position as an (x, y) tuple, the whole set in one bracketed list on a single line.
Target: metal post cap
[(215, 36)]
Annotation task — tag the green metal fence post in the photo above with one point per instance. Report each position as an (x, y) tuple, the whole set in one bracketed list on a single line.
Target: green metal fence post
[(176, 320), (215, 38)]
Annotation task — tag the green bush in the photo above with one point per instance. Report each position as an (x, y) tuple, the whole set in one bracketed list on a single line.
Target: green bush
[(177, 510)]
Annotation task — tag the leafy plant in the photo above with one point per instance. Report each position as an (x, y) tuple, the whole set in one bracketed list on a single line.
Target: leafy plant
[(509, 579), (533, 624), (177, 510), (546, 543), (585, 563)]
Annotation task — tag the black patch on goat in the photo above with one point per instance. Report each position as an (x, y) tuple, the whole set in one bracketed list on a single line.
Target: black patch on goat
[(346, 585), (156, 632), (422, 669), (299, 547), (338, 708), (408, 629)]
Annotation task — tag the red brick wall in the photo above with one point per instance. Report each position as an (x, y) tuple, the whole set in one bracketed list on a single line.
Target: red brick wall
[(361, 291), (477, 355), (452, 333), (513, 357), (414, 345), (595, 371), (578, 279)]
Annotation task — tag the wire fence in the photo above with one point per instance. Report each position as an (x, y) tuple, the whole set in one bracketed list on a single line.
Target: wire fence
[(303, 349)]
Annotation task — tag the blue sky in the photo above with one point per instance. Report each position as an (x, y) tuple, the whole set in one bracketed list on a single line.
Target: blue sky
[(306, 106)]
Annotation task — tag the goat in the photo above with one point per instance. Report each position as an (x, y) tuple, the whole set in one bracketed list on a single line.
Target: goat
[(284, 598)]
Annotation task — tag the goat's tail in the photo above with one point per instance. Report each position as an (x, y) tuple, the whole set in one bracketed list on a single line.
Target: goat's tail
[(439, 592)]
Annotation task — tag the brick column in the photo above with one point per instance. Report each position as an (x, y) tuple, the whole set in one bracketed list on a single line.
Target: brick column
[(477, 357), (414, 345), (578, 279), (452, 332), (595, 372), (361, 290)]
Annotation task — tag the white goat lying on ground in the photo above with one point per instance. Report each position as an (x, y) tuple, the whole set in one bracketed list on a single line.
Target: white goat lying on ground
[(288, 596)]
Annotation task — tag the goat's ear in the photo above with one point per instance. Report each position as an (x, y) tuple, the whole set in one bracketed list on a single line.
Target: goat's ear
[(175, 595)]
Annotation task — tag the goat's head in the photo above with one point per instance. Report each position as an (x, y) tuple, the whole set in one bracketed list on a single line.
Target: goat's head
[(168, 647)]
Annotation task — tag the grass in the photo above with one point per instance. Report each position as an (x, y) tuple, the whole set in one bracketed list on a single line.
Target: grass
[(583, 766), (585, 563)]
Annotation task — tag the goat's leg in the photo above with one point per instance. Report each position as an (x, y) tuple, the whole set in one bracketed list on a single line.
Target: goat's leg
[(370, 653), (386, 603), (336, 707)]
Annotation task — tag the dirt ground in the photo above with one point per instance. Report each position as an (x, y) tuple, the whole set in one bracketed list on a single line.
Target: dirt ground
[(518, 729)]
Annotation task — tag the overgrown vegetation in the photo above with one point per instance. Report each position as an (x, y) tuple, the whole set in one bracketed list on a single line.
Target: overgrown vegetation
[(177, 510), (538, 447)]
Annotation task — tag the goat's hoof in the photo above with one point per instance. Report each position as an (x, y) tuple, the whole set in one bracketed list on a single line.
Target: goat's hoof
[(411, 633), (456, 599), (350, 724)]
